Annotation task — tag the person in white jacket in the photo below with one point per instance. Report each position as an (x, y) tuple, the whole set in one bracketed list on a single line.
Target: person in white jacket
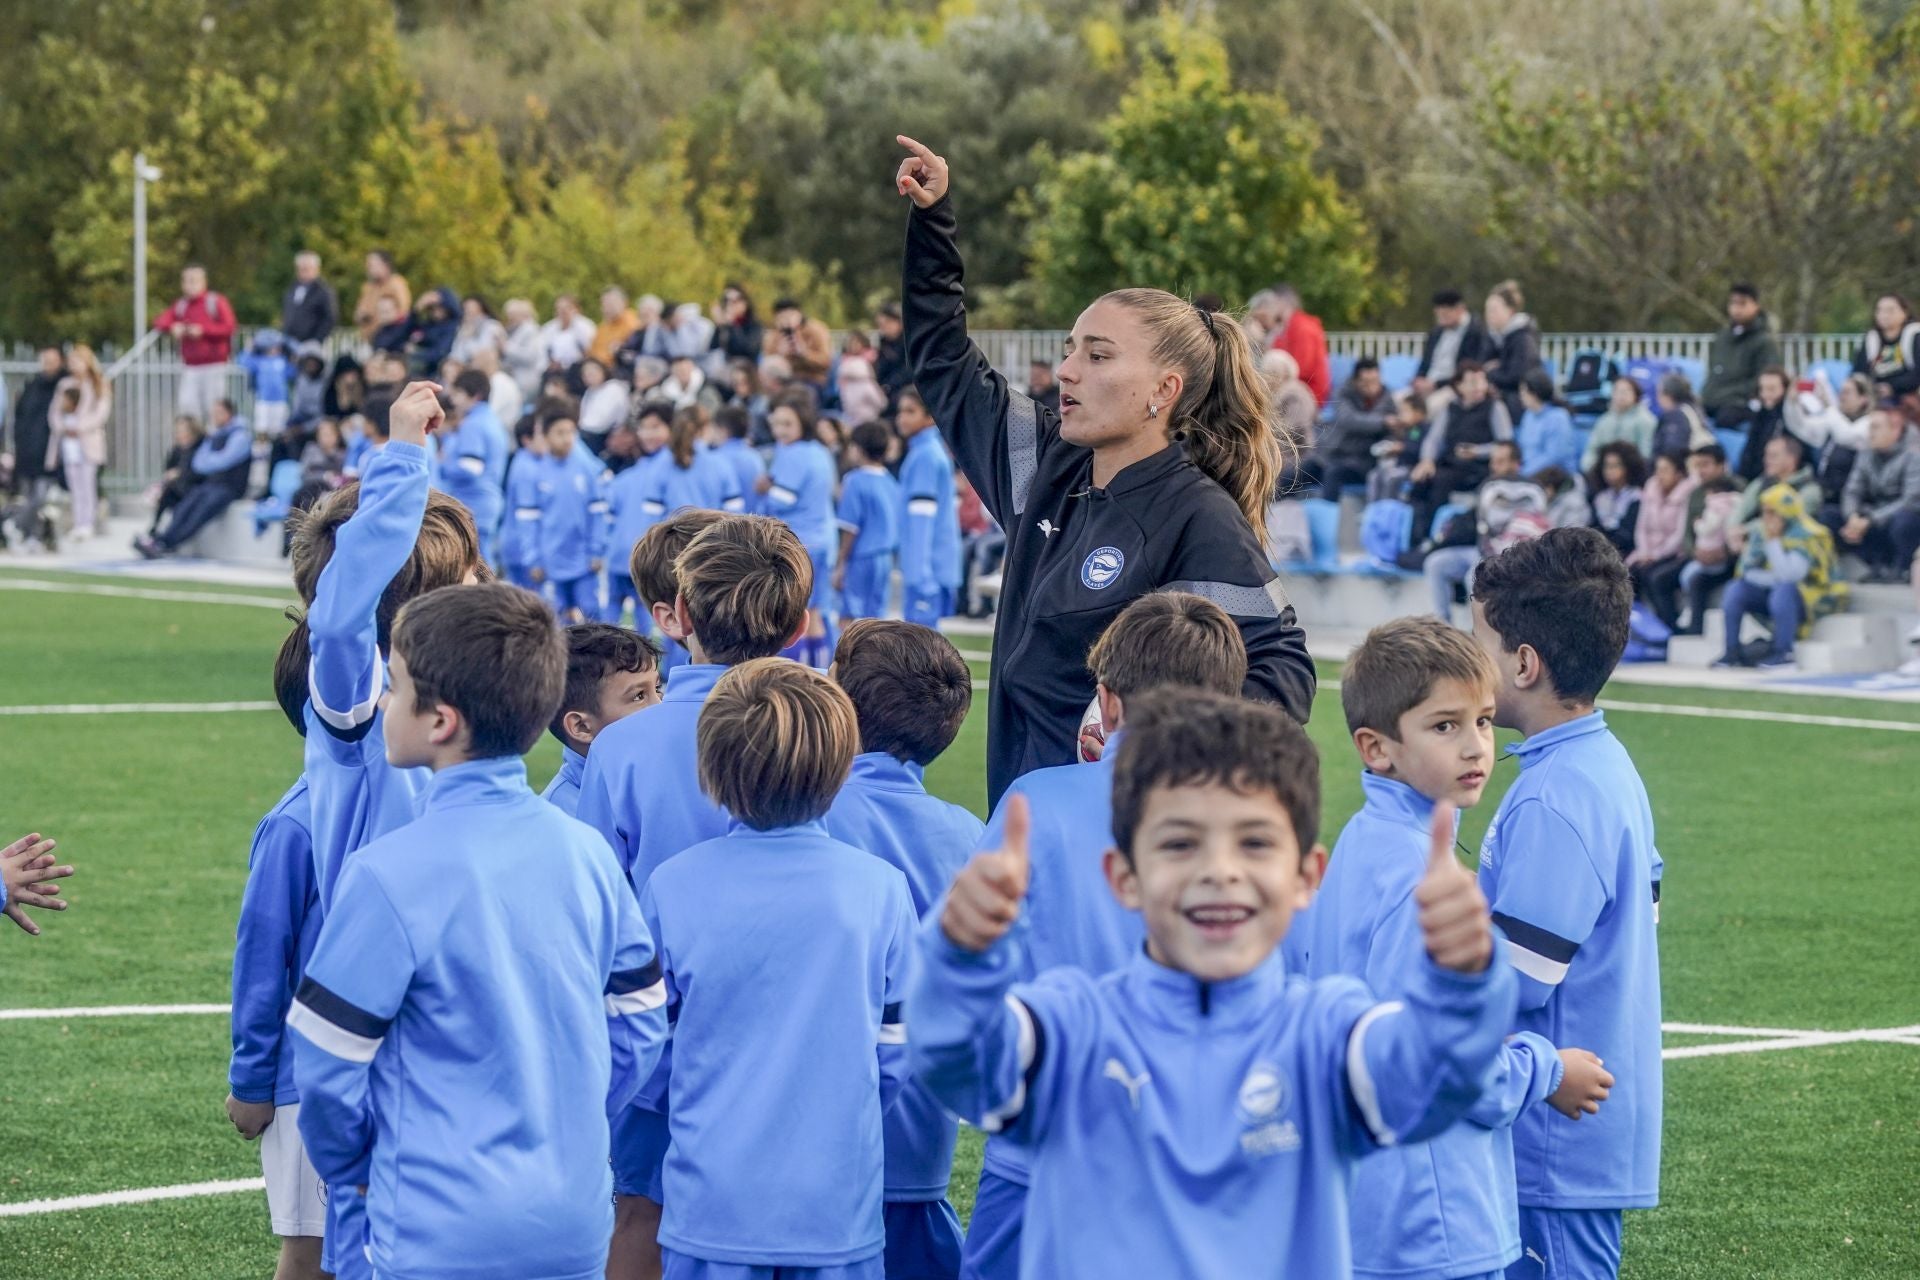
[(1819, 418)]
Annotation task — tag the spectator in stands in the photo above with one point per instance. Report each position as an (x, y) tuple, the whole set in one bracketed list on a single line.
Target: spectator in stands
[(524, 355), (220, 466), (1261, 320), (1881, 506), (307, 399), (1681, 427), (1616, 479), (1516, 342), (1303, 337), (687, 385), (478, 328), (1294, 410), (202, 322), (1783, 462), (1626, 420), (1545, 433), (1394, 456), (392, 328), (1455, 451), (348, 384), (1742, 349), (1659, 532), (982, 545), (1362, 414), (1827, 421), (890, 358), (310, 309), (1889, 354), (568, 336), (648, 373), (737, 332), (1504, 498), (1456, 335), (1042, 387), (1707, 544), (617, 323), (1567, 504), (33, 436), (176, 473), (382, 282), (1768, 419), (686, 333), (862, 398), (503, 392), (805, 344), (436, 326), (603, 407), (1786, 575), (78, 446), (745, 375)]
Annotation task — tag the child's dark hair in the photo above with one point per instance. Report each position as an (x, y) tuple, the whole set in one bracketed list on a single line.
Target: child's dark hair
[(661, 409), (746, 581), (474, 384), (872, 439), (801, 401), (776, 740), (910, 687), (290, 681), (447, 549), (555, 408), (595, 651), (684, 439), (1565, 593), (526, 429), (1397, 666), (491, 652), (1631, 462), (377, 409), (1190, 738), (734, 420), (911, 392), (70, 397), (1170, 639), (651, 562)]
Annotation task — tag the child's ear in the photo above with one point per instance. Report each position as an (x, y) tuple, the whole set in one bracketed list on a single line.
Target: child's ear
[(1528, 669), (447, 725), (1313, 868), (1372, 746), (672, 619), (1121, 878), (799, 632), (1113, 712), (579, 725)]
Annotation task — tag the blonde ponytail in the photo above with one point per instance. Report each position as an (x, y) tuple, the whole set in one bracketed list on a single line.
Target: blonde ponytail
[(1224, 416)]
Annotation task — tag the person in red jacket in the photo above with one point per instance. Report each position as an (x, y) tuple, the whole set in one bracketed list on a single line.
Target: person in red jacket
[(201, 321), (1304, 338)]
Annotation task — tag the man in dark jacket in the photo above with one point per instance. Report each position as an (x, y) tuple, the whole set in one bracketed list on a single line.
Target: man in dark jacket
[(1744, 346), (1457, 335), (1363, 413), (220, 468), (310, 310), (31, 432)]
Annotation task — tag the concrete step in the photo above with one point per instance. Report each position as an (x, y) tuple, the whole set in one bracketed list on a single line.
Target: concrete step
[(230, 538), (1825, 657)]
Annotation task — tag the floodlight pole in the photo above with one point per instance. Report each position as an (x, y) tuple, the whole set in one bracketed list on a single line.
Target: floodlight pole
[(143, 173)]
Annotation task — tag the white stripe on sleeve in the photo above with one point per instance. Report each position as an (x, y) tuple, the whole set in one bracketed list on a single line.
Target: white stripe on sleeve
[(1360, 1080), (336, 1040), (1541, 969), (779, 494), (1009, 1111), (893, 1033), (360, 712), (923, 507), (640, 1001)]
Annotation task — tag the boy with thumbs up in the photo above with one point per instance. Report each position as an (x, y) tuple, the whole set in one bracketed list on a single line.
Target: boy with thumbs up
[(1210, 1101)]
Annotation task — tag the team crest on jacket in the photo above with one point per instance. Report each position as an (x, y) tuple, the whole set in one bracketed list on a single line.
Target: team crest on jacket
[(1262, 1104), (1102, 567)]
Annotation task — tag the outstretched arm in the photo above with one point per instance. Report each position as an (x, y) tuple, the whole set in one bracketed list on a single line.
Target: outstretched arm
[(997, 434)]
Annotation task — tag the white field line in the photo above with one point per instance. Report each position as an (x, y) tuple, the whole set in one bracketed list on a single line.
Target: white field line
[(135, 708), (1804, 1040), (142, 593), (143, 1195), (114, 1011)]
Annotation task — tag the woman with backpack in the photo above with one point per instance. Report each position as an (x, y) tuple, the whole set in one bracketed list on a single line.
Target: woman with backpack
[(1889, 352)]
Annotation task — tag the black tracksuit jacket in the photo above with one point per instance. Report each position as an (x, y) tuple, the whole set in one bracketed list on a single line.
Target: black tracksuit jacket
[(1077, 555)]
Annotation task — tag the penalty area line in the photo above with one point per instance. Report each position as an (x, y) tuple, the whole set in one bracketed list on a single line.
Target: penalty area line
[(141, 1195)]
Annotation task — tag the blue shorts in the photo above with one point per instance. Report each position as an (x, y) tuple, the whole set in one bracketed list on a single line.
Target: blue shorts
[(639, 1142), (1568, 1244), (927, 607), (344, 1251), (993, 1238), (620, 589), (822, 599), (923, 1240), (580, 593), (868, 578), (678, 1266)]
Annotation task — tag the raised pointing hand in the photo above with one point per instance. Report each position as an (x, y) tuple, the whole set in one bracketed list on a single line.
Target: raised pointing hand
[(985, 898), (923, 175)]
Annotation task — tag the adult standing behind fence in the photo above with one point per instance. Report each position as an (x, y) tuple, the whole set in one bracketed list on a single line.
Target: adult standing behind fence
[(382, 282), (32, 438), (79, 446), (201, 321), (1156, 474), (310, 309)]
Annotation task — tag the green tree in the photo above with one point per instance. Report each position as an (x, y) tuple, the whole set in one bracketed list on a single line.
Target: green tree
[(1196, 187), (262, 118)]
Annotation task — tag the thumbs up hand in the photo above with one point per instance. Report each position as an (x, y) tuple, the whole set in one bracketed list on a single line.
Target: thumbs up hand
[(985, 898), (1453, 912)]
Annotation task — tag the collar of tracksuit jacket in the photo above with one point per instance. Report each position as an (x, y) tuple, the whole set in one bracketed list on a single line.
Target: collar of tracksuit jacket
[(1132, 478)]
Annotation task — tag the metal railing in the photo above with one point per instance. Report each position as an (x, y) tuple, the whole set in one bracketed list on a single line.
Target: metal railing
[(146, 377)]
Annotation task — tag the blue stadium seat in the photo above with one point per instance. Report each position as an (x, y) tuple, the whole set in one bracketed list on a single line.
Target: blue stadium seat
[(1323, 526), (1397, 371), (1696, 371), (1341, 369), (1837, 371), (1733, 440), (1552, 369), (285, 481)]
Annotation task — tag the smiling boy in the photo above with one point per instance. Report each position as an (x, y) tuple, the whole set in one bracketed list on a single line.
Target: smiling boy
[(1212, 1102)]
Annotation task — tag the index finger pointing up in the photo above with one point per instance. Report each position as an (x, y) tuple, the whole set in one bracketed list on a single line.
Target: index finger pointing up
[(919, 149)]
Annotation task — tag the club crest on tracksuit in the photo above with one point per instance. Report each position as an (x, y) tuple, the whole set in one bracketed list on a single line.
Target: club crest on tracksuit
[(1102, 568)]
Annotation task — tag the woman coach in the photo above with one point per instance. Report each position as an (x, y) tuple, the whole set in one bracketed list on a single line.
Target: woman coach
[(1155, 475)]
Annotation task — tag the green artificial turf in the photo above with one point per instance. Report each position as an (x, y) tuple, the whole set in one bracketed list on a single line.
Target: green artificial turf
[(1792, 886)]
